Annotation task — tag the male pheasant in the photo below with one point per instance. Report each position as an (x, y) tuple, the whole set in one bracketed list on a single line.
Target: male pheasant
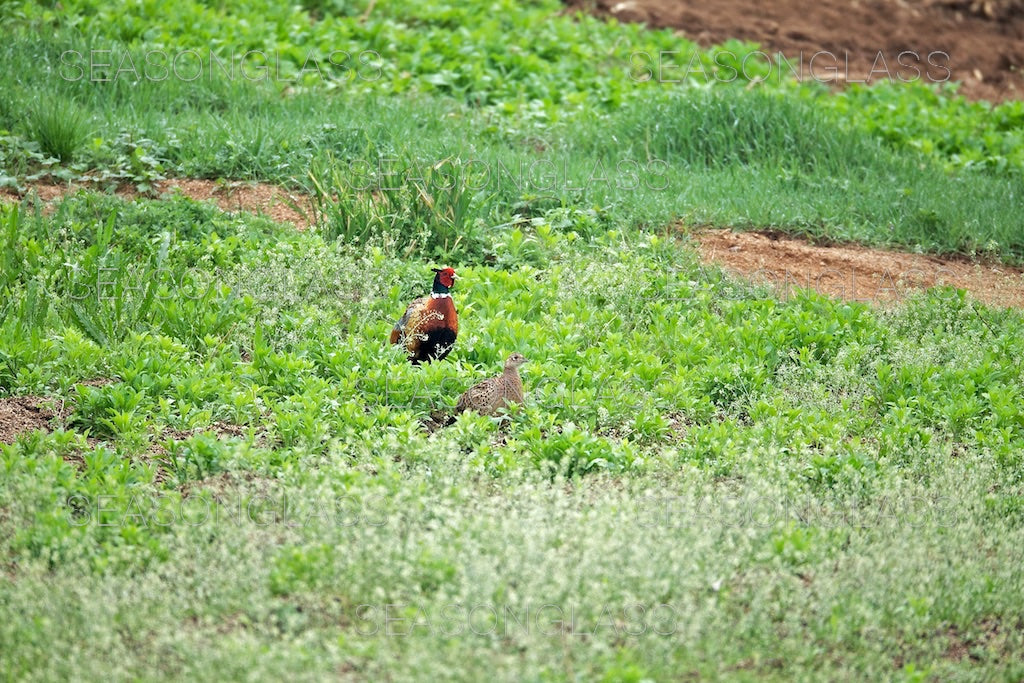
[(429, 325), (491, 395)]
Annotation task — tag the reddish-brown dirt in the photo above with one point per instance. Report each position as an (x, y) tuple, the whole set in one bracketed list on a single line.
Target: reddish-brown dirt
[(272, 201), (981, 42), (260, 198), (20, 414), (853, 272)]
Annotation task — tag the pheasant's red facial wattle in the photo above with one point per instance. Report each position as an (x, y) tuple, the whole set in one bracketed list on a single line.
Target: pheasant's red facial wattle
[(447, 277)]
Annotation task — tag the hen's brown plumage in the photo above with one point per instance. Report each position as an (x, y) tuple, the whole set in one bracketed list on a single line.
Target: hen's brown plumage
[(491, 395), (429, 326)]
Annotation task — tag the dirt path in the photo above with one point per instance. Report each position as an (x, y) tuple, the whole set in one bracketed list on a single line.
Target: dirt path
[(848, 272), (981, 42), (260, 198), (853, 272)]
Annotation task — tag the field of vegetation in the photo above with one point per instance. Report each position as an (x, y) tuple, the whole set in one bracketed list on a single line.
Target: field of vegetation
[(241, 480)]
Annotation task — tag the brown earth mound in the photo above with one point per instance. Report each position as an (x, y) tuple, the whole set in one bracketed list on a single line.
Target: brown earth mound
[(852, 272), (977, 42)]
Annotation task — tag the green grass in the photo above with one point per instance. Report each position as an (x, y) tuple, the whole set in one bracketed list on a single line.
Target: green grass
[(706, 481), (758, 158), (574, 64), (58, 128), (940, 124)]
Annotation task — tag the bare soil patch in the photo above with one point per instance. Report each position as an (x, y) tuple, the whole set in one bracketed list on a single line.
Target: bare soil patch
[(97, 381), (852, 272), (272, 201), (22, 414), (981, 42), (222, 430), (222, 484)]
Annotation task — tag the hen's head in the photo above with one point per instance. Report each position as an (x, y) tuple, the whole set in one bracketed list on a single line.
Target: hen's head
[(444, 279), (515, 360)]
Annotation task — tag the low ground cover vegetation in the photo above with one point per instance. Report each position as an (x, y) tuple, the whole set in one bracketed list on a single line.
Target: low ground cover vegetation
[(225, 471)]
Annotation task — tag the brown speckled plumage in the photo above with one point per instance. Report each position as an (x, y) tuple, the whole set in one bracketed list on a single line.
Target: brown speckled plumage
[(491, 395)]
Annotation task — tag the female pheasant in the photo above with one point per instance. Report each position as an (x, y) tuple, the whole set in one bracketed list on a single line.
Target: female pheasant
[(491, 395), (429, 325)]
